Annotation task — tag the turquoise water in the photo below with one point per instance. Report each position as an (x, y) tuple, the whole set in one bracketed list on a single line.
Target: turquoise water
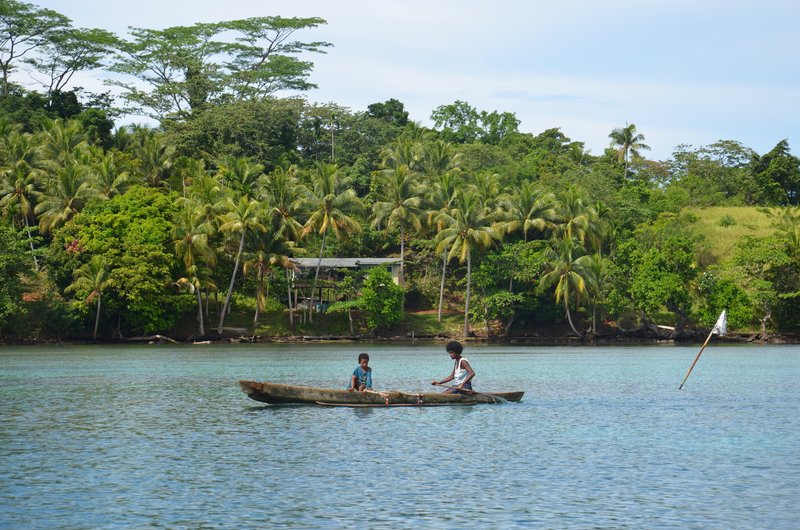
[(161, 437)]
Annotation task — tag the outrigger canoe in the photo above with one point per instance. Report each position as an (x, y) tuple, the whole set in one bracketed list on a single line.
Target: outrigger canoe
[(276, 393)]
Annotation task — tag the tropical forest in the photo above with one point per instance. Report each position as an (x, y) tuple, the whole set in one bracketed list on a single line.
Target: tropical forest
[(191, 223)]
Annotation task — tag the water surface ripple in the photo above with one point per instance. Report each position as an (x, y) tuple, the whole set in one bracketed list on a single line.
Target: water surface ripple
[(161, 437)]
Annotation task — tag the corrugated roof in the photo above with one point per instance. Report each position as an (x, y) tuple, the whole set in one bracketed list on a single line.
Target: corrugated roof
[(345, 263)]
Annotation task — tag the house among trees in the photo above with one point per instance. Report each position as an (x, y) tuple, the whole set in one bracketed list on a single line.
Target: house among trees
[(329, 274)]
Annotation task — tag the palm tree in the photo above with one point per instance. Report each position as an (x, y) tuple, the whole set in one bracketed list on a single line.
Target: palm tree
[(110, 177), (403, 152), (94, 278), (442, 198), (20, 175), (628, 143), (241, 175), (468, 228), (155, 158), (329, 206), (62, 140), (190, 235), (282, 190), (443, 166), (205, 194), (272, 250), (438, 158), (196, 280), (284, 193), (575, 217), (402, 207), (597, 279), (64, 195), (242, 217), (488, 188), (529, 208), (565, 262)]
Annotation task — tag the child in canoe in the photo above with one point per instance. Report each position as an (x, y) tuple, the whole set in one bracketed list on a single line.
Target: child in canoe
[(462, 373), (361, 379)]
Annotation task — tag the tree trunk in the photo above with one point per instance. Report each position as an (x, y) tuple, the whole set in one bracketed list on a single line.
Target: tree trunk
[(97, 317), (626, 165), (289, 299), (230, 285), (200, 313), (569, 318), (30, 242), (441, 287), (316, 275), (259, 290), (466, 303), (508, 325), (402, 258)]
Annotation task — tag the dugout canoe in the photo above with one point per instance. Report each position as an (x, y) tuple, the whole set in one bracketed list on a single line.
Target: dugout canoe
[(277, 393)]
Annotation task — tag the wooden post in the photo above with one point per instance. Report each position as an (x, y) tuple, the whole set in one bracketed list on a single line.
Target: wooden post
[(696, 358)]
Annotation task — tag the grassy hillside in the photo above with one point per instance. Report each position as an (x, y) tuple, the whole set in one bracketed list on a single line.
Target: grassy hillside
[(724, 226)]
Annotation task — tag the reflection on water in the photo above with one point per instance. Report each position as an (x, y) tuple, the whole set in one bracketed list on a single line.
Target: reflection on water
[(98, 437)]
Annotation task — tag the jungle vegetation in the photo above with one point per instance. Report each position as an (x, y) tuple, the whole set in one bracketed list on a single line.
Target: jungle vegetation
[(110, 231)]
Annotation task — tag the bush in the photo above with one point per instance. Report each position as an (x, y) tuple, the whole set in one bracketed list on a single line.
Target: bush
[(381, 300)]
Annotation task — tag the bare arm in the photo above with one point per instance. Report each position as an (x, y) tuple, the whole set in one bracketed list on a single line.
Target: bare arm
[(446, 379)]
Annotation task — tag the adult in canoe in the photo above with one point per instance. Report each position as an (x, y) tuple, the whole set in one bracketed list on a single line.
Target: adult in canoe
[(462, 373)]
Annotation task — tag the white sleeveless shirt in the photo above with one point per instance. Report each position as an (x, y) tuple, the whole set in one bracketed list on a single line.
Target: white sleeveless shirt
[(459, 374)]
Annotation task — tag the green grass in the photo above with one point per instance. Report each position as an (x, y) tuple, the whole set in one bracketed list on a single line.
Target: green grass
[(276, 324), (724, 226), (427, 324)]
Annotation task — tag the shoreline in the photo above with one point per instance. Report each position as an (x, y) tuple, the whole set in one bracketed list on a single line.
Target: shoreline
[(622, 338)]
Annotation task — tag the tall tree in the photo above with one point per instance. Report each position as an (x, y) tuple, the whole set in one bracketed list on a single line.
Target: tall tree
[(23, 28), (190, 235), (183, 68), (92, 278), (284, 193), (391, 111), (401, 207), (565, 263), (330, 204), (271, 251), (530, 208), (242, 217), (779, 167), (240, 175), (20, 178), (575, 217), (68, 51), (460, 122), (110, 175), (468, 229), (628, 143), (156, 158), (442, 198), (64, 195)]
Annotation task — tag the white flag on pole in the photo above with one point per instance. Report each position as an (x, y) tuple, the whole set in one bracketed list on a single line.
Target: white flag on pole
[(721, 327)]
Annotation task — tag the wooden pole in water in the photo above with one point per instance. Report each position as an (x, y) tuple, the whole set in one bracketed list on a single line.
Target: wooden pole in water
[(696, 358)]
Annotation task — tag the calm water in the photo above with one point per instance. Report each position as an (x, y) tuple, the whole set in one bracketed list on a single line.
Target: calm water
[(161, 437)]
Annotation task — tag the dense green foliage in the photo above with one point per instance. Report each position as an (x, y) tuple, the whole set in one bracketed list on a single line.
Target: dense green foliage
[(15, 265), (138, 230)]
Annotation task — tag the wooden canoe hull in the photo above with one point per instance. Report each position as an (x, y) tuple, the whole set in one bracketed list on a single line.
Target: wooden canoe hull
[(277, 393)]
